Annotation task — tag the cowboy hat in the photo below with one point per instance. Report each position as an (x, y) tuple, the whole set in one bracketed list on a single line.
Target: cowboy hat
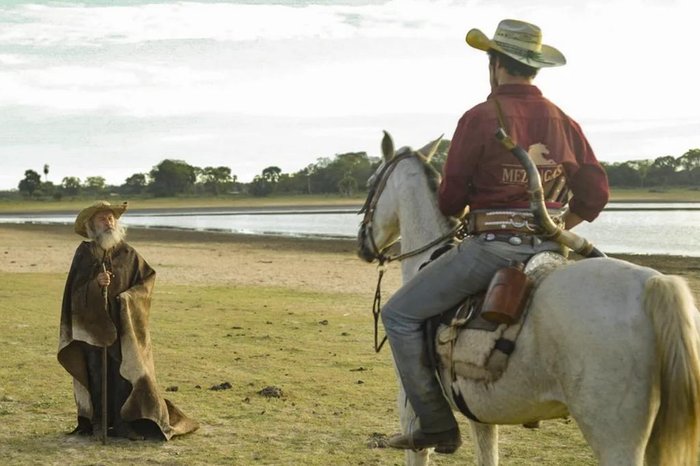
[(99, 206), (519, 40)]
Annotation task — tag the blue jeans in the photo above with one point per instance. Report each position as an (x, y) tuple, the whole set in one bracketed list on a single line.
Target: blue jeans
[(464, 270)]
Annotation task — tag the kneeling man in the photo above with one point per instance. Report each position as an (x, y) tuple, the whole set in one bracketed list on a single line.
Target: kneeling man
[(106, 305)]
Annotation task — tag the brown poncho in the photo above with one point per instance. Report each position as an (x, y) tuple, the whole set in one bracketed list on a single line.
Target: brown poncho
[(85, 320)]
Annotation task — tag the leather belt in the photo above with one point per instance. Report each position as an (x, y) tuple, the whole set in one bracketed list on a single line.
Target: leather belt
[(508, 221)]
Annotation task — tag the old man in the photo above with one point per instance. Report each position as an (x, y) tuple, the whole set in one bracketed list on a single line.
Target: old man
[(106, 304)]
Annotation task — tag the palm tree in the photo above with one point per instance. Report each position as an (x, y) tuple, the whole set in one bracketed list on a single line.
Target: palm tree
[(46, 172)]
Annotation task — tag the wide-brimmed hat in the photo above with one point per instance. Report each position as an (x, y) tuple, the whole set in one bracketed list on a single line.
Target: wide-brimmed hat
[(519, 40), (99, 206)]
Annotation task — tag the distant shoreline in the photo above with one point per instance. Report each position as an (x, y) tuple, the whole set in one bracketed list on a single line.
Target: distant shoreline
[(321, 208), (19, 206)]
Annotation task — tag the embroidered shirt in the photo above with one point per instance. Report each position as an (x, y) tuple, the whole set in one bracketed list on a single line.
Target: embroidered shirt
[(481, 173)]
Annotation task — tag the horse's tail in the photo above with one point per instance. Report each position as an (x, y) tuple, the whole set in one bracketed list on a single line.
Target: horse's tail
[(676, 432)]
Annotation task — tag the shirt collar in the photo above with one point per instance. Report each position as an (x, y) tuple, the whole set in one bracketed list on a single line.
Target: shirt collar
[(516, 89)]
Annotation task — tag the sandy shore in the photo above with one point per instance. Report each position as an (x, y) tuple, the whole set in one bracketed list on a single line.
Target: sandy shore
[(189, 257)]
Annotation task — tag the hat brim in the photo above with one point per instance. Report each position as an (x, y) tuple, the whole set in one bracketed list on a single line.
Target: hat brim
[(87, 213), (548, 56)]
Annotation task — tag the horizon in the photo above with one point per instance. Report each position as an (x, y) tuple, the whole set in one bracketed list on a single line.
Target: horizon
[(112, 88)]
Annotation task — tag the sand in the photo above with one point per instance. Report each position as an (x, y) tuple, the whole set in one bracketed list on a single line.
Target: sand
[(197, 258)]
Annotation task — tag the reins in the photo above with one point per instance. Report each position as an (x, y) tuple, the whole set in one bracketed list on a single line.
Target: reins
[(368, 209)]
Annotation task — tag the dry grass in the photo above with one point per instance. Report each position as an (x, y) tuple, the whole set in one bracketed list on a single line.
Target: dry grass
[(254, 321), (315, 347), (673, 194)]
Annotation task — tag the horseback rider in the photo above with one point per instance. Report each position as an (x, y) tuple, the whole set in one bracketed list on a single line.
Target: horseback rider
[(482, 176)]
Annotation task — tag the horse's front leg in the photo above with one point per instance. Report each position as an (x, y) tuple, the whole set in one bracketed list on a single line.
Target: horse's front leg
[(409, 422), (486, 443)]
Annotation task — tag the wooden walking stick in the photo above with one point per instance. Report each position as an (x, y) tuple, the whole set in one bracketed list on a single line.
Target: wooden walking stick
[(104, 368)]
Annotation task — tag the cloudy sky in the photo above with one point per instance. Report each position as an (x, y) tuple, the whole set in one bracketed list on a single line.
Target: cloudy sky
[(112, 87)]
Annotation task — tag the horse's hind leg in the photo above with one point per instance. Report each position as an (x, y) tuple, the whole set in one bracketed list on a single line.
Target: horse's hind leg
[(617, 428), (616, 445)]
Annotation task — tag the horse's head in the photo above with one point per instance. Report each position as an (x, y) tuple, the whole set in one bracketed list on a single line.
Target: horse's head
[(380, 226)]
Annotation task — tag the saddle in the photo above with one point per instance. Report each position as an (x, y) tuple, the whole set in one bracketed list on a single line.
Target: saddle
[(475, 339)]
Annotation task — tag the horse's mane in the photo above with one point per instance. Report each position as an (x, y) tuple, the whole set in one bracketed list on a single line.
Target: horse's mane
[(432, 175)]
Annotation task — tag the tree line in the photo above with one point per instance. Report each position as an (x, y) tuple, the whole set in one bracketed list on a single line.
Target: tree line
[(660, 172), (345, 174)]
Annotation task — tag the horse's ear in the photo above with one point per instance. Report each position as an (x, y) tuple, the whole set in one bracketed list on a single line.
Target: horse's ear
[(387, 147), (429, 149)]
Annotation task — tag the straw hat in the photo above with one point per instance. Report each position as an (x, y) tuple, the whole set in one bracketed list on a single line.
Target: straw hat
[(99, 206), (519, 40)]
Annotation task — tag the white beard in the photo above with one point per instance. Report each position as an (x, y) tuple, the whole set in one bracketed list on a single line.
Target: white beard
[(106, 239)]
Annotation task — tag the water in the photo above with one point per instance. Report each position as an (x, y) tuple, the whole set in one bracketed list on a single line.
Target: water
[(649, 228)]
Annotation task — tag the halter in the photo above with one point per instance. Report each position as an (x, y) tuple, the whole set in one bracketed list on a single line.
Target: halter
[(369, 207)]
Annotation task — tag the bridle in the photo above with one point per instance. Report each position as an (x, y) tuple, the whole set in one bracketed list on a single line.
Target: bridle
[(370, 206), (368, 209)]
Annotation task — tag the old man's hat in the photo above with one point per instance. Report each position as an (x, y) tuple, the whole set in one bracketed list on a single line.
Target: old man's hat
[(99, 206), (519, 40)]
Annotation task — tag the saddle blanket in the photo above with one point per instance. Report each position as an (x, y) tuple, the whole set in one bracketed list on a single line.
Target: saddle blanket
[(473, 350)]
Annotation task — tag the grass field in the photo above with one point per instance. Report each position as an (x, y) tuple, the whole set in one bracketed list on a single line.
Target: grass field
[(315, 347), (655, 195), (254, 312)]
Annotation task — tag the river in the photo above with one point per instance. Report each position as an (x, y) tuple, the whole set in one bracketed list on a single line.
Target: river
[(648, 228)]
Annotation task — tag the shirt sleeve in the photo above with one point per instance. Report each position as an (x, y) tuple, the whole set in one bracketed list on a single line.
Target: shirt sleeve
[(464, 153), (589, 183)]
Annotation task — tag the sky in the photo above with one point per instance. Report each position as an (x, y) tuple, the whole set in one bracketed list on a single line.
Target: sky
[(113, 87)]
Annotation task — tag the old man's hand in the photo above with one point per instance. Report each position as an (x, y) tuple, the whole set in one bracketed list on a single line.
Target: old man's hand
[(104, 278)]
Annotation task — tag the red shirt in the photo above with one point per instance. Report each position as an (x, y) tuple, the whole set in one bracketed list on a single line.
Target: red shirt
[(481, 173)]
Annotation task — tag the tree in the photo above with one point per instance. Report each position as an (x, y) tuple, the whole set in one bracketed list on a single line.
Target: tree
[(135, 184), (216, 178), (308, 173), (30, 183), (171, 177), (260, 187), (347, 185), (48, 189), (46, 172), (327, 175), (690, 161), (95, 184), (642, 167), (71, 185), (662, 169), (272, 174), (622, 174)]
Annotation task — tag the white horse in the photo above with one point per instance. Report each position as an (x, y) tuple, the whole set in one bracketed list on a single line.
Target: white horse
[(612, 344)]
